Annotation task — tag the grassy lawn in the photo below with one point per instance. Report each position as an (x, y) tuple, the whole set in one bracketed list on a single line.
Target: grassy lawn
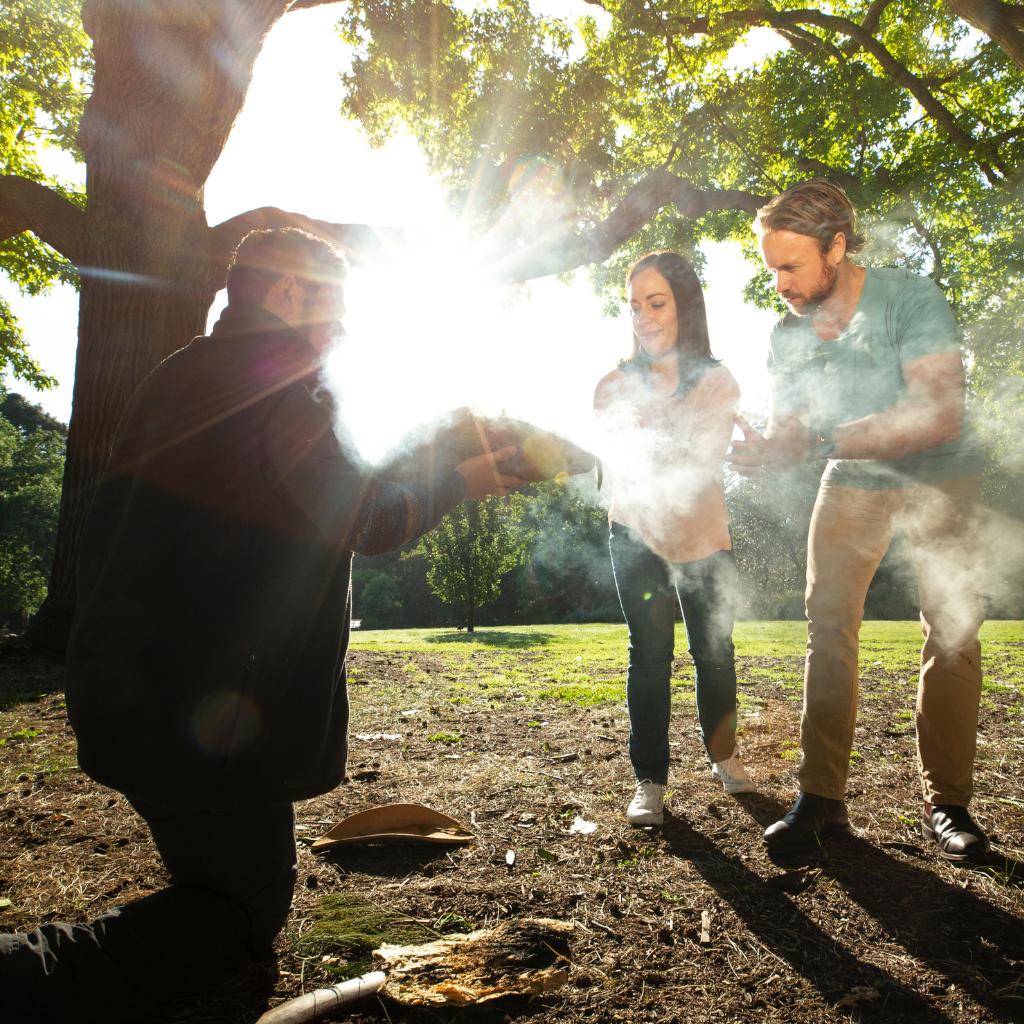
[(519, 732), (585, 663)]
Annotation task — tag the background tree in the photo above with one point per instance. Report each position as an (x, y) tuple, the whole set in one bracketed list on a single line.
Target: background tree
[(472, 549), (770, 520), (31, 463), (566, 575), (770, 516), (44, 61), (376, 599), (27, 416)]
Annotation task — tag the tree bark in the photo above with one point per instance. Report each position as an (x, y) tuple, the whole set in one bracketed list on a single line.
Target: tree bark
[(171, 76), (1003, 23)]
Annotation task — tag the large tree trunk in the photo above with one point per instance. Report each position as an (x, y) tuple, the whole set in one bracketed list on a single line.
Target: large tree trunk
[(171, 76)]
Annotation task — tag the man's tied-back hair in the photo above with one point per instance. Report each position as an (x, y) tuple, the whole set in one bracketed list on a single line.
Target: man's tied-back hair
[(264, 256), (816, 208)]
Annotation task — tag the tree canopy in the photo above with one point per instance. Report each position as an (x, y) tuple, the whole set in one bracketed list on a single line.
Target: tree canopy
[(654, 126), (31, 461), (44, 66)]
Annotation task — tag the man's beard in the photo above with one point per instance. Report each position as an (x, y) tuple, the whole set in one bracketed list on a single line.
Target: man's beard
[(813, 302)]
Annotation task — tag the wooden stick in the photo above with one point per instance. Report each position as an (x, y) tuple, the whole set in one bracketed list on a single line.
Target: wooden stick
[(314, 1005)]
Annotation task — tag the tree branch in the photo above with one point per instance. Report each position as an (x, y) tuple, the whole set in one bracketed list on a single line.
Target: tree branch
[(872, 19), (874, 15), (808, 43), (1003, 23), (28, 206), (820, 169), (938, 265), (654, 192), (979, 150), (555, 253)]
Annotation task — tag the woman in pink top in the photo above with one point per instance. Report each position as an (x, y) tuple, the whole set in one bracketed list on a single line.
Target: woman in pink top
[(666, 417)]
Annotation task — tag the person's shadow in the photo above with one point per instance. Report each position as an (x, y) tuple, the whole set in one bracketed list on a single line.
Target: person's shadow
[(386, 860), (958, 934)]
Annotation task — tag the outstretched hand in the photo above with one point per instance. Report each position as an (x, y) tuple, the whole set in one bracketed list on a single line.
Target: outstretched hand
[(749, 456), (483, 476)]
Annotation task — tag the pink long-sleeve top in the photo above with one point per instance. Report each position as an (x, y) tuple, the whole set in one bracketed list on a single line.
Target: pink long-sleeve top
[(663, 456)]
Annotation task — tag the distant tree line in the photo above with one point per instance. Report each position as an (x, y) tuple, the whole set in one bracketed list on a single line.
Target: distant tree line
[(560, 572), (32, 446), (557, 570), (539, 557)]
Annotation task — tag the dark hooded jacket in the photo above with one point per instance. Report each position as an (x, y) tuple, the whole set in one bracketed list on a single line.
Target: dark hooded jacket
[(206, 660)]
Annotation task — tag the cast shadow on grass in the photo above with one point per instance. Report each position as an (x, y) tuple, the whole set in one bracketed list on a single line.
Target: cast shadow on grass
[(959, 934), (494, 638), (25, 674), (765, 907), (962, 936), (386, 861)]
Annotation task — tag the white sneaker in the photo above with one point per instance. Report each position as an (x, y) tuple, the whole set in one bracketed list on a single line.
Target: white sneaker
[(732, 775), (648, 804)]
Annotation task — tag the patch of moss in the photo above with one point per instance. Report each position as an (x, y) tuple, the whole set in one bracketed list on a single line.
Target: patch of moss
[(350, 928)]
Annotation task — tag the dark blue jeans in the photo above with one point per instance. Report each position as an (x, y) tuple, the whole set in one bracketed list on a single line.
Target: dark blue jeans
[(649, 589), (232, 875)]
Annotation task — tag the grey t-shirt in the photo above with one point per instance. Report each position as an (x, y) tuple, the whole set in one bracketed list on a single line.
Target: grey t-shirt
[(900, 317)]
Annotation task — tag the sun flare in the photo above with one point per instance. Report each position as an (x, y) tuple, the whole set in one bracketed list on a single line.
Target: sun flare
[(427, 330)]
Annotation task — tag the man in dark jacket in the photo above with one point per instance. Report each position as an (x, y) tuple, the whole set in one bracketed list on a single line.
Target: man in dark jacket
[(205, 675)]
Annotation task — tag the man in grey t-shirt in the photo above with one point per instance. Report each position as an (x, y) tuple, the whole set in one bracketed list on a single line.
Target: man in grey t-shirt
[(867, 374)]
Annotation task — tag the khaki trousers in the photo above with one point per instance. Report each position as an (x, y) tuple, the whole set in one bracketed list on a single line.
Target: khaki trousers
[(850, 531)]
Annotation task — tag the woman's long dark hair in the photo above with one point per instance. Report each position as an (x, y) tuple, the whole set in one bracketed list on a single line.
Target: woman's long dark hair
[(693, 345)]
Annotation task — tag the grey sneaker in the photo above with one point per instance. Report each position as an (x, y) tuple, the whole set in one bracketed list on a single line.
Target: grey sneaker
[(732, 775), (648, 804)]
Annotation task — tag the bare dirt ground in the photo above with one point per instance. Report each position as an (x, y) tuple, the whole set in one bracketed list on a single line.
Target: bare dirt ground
[(690, 922)]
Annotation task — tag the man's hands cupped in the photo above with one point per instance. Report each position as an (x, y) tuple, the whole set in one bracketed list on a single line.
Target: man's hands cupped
[(757, 452)]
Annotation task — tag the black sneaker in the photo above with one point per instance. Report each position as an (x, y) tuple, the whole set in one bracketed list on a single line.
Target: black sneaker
[(959, 836), (810, 820)]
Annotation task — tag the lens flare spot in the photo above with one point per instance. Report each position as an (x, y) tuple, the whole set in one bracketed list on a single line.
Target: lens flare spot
[(225, 721), (545, 453), (536, 176)]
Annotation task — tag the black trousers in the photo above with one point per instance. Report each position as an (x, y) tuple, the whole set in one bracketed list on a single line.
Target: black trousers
[(232, 878), (649, 590)]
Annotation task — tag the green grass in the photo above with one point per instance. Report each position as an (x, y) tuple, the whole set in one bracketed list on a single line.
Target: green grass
[(585, 664), (444, 737)]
